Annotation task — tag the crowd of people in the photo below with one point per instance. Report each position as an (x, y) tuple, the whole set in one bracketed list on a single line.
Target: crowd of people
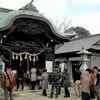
[(36, 78), (87, 83)]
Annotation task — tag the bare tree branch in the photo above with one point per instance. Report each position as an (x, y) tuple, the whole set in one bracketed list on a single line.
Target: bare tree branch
[(62, 26)]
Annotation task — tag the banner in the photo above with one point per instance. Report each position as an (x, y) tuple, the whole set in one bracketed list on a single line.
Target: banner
[(49, 66)]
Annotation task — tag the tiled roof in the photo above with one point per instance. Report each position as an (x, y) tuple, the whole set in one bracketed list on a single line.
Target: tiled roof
[(29, 11), (5, 10), (76, 45)]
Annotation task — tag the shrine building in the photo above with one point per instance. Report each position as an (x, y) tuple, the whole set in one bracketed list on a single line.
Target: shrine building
[(27, 38)]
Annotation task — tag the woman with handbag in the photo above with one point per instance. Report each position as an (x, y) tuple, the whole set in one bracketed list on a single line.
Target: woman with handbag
[(8, 83), (85, 84)]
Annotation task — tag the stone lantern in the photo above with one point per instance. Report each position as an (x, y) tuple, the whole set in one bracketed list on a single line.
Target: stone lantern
[(84, 59)]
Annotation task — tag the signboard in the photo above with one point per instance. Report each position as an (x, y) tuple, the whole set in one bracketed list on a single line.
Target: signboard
[(49, 66), (62, 66)]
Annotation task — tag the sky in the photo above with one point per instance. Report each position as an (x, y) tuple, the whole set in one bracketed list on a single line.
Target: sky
[(83, 13)]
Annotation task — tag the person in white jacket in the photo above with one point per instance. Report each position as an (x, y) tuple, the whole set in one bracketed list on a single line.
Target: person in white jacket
[(45, 81), (33, 78)]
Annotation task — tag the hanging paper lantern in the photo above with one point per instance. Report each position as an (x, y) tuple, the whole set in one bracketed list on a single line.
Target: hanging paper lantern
[(26, 56), (21, 58), (36, 58), (12, 55), (30, 58), (16, 56)]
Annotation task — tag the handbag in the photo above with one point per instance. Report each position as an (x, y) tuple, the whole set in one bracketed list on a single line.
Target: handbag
[(68, 83), (11, 86), (92, 88)]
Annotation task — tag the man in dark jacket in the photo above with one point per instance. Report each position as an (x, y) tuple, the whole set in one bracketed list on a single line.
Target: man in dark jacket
[(20, 77), (66, 82), (56, 76)]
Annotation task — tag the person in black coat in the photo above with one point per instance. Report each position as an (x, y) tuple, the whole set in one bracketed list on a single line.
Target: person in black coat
[(56, 76), (66, 82), (20, 78)]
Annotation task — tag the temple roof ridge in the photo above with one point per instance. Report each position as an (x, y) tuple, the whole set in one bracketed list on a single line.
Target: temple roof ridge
[(29, 7)]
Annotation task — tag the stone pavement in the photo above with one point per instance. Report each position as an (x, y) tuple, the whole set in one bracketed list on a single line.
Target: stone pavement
[(28, 94)]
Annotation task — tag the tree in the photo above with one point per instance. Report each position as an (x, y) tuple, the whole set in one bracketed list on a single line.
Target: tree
[(64, 27), (79, 31)]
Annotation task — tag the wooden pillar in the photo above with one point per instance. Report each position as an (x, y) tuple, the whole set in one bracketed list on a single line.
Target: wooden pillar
[(10, 59), (53, 51), (27, 65), (50, 56)]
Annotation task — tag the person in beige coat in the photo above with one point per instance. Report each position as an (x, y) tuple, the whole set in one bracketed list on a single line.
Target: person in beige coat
[(85, 84)]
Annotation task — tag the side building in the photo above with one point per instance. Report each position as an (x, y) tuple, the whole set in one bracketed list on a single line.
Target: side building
[(68, 53)]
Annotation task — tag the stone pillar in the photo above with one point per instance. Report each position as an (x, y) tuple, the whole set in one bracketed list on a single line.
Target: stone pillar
[(84, 59)]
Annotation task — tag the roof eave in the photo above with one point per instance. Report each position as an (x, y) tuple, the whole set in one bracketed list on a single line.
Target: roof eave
[(6, 23)]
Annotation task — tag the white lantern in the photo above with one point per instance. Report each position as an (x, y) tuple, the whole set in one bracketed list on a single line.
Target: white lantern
[(21, 58), (30, 58), (36, 58), (13, 56), (26, 56), (16, 56)]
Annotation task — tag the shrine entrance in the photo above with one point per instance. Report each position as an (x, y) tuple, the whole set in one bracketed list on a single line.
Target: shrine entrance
[(28, 39)]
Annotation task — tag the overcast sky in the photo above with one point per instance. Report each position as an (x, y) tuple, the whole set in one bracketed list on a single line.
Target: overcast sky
[(84, 13)]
